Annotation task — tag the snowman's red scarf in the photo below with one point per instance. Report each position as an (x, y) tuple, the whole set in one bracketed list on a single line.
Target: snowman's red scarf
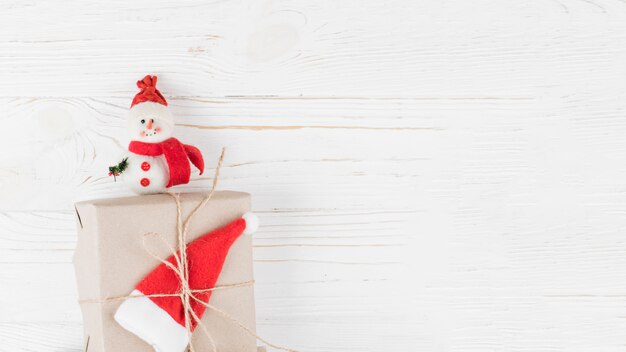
[(176, 155)]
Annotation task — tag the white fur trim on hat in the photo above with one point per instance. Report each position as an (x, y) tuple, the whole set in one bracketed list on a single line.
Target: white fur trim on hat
[(142, 317)]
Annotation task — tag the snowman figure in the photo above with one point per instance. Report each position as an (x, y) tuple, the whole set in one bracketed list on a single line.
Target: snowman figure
[(156, 160)]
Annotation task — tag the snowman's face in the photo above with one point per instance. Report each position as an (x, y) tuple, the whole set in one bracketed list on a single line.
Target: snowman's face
[(150, 126)]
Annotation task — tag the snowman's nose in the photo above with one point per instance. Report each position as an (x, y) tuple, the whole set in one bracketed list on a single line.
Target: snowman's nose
[(150, 124)]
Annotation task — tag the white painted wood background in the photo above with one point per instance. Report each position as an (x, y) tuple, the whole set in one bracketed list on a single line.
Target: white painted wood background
[(430, 175)]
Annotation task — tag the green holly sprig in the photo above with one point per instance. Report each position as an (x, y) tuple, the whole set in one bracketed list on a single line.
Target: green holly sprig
[(118, 169)]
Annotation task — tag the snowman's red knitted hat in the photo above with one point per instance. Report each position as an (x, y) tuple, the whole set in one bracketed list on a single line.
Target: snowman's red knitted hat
[(149, 102), (148, 92)]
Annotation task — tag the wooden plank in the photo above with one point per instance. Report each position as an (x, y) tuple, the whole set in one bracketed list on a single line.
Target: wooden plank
[(396, 48), (29, 337)]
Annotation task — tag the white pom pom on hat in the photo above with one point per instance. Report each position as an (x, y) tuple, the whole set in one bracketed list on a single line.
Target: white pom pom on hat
[(252, 223)]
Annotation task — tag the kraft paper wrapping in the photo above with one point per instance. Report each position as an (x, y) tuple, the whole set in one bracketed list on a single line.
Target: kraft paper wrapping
[(110, 259)]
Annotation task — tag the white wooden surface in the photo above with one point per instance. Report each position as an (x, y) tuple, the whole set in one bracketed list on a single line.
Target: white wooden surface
[(430, 175)]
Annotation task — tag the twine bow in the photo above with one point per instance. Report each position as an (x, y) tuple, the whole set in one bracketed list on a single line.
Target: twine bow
[(186, 294)]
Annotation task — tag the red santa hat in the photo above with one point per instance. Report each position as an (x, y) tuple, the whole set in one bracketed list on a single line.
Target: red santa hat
[(149, 102), (160, 321)]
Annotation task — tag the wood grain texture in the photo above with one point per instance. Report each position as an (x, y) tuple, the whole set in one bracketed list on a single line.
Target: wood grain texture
[(430, 176)]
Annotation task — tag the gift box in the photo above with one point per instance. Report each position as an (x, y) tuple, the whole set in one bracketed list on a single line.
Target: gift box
[(112, 256)]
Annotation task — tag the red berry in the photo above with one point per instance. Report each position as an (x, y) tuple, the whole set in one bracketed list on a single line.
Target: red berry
[(145, 182), (145, 166)]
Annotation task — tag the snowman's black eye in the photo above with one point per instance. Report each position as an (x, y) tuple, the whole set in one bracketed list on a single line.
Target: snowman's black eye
[(143, 121), (152, 120)]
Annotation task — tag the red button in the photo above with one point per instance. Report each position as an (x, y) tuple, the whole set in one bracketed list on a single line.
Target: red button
[(145, 182), (145, 166)]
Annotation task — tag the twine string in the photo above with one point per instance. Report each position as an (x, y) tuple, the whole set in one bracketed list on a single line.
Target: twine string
[(125, 297), (181, 269), (184, 273)]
